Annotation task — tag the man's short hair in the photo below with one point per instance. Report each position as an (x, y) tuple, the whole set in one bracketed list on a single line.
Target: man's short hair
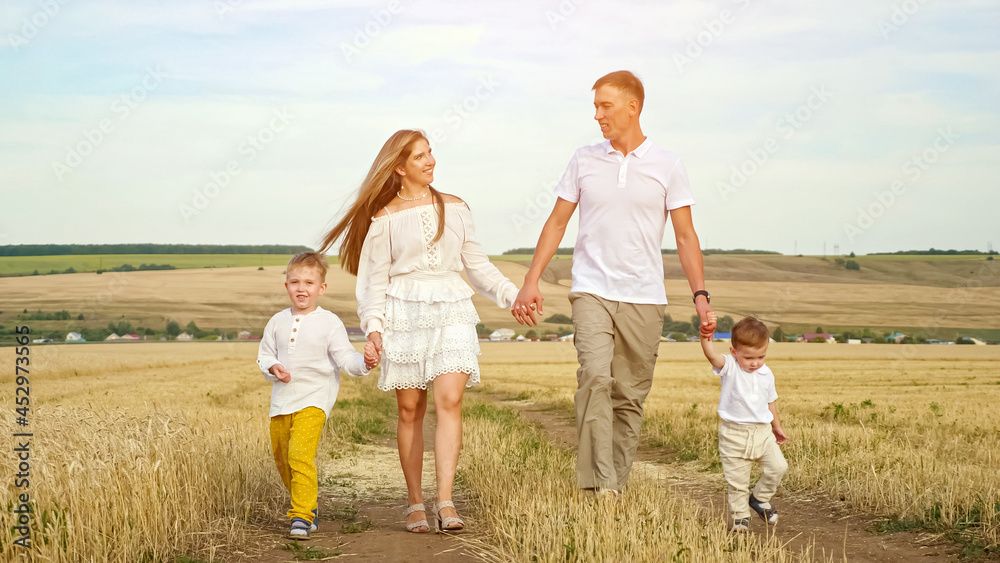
[(750, 332), (624, 81), (309, 260)]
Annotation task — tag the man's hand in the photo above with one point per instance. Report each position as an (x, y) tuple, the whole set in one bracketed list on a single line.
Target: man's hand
[(704, 309), (372, 356), (279, 371), (707, 329), (529, 300)]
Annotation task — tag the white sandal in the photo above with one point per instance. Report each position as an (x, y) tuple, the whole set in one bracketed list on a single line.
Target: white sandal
[(449, 523), (414, 527)]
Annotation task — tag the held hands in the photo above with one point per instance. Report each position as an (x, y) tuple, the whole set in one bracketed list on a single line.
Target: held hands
[(371, 355), (529, 300), (373, 349), (279, 371), (708, 324)]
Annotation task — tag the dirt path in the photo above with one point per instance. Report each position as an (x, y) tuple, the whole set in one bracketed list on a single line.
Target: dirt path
[(362, 499), (805, 520)]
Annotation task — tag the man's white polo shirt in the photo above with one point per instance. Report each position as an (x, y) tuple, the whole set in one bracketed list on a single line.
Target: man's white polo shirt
[(623, 203)]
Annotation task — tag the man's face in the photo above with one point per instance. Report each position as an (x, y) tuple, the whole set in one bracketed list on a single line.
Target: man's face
[(612, 111)]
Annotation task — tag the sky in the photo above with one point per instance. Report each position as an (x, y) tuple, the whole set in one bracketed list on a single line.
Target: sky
[(850, 126)]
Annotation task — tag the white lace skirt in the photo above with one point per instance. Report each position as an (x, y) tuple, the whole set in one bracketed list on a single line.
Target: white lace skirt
[(422, 340)]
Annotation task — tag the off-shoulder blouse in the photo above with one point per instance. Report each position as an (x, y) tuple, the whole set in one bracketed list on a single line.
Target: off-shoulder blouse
[(400, 258)]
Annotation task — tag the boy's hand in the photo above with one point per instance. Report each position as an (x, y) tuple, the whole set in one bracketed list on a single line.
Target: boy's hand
[(279, 371), (708, 330), (779, 434), (371, 355)]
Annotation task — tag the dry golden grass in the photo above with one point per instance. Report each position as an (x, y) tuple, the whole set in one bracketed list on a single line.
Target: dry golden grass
[(905, 432), (150, 451), (523, 491), (145, 452)]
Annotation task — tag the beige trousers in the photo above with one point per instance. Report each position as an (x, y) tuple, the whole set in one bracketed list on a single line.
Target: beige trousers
[(739, 446), (616, 345)]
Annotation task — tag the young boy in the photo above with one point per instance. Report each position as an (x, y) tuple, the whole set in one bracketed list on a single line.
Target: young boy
[(302, 351), (750, 429)]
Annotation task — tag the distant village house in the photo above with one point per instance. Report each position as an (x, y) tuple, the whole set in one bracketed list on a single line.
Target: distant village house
[(502, 335), (812, 336)]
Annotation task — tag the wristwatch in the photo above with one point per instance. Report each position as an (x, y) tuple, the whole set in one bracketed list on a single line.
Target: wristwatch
[(708, 296)]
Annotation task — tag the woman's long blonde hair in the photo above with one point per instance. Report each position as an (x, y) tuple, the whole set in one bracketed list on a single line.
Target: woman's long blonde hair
[(377, 190)]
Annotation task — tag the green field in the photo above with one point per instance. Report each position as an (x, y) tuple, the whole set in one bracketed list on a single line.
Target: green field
[(25, 265)]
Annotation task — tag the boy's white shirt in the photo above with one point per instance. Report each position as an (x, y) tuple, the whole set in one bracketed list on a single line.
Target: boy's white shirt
[(314, 348), (745, 396)]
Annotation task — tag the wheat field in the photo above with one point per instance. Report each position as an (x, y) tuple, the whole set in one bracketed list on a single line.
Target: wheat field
[(903, 432), (147, 452)]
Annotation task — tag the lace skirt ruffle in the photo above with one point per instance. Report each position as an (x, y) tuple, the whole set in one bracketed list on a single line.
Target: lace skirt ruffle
[(423, 340)]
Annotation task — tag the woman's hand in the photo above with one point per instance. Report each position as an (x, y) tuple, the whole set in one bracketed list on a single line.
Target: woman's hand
[(376, 339), (371, 356), (529, 301)]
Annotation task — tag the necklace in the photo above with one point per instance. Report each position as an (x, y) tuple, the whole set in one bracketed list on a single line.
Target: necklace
[(399, 194)]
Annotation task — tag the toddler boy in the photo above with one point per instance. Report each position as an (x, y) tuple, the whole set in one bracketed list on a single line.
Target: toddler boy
[(750, 429)]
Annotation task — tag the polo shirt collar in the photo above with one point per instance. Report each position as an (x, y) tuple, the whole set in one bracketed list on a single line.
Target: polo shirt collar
[(639, 151), (643, 148)]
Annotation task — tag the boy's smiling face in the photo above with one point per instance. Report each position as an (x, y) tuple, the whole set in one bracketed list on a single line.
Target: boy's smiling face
[(750, 358), (304, 285)]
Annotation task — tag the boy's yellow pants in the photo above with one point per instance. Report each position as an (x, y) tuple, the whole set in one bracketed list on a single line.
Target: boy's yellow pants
[(294, 440)]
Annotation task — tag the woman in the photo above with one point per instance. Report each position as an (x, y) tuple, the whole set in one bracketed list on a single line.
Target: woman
[(407, 243)]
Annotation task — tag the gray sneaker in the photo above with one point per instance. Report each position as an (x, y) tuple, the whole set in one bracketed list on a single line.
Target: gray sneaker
[(299, 529), (741, 526), (764, 509)]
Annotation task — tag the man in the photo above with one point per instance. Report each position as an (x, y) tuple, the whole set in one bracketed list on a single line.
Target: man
[(625, 187)]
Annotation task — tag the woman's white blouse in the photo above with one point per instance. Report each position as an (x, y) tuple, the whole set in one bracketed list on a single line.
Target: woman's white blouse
[(400, 258)]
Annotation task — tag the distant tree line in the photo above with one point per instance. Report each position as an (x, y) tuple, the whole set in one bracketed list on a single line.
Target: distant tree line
[(147, 248), (120, 327), (131, 268), (935, 252), (40, 315), (680, 330)]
